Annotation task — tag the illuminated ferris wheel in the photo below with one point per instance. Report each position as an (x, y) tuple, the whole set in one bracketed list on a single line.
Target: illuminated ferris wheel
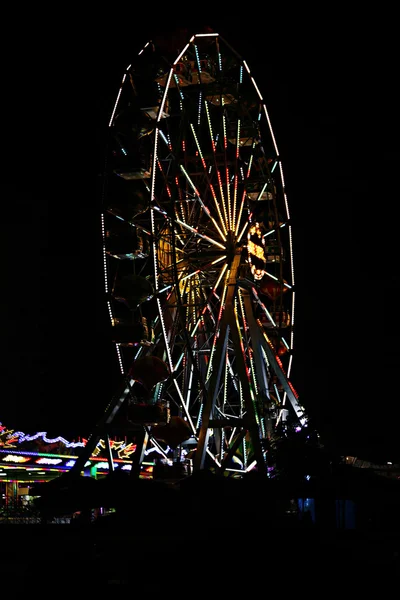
[(198, 261)]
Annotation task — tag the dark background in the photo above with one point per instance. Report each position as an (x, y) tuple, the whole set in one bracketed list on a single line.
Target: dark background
[(329, 82)]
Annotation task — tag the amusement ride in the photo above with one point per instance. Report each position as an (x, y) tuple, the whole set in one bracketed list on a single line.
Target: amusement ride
[(198, 265)]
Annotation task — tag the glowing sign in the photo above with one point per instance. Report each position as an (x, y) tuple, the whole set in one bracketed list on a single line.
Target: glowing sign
[(15, 458), (256, 251), (123, 450), (48, 461)]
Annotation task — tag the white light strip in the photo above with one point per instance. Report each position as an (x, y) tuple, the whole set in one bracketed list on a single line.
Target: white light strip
[(213, 457), (204, 165), (116, 102), (251, 466), (103, 229), (199, 110), (277, 394), (270, 129), (209, 123), (284, 193), (164, 138), (235, 471), (290, 365), (153, 226), (291, 253), (205, 237), (110, 312), (262, 191), (165, 335), (145, 46), (215, 287), (267, 313), (197, 58), (189, 276), (181, 54), (206, 34), (217, 260), (105, 269), (189, 390), (160, 112), (184, 407), (232, 436), (225, 386), (273, 230), (257, 90), (121, 366), (232, 375), (284, 342), (246, 67), (272, 276), (240, 209), (243, 230), (104, 255), (164, 289), (157, 448), (293, 313), (217, 330), (205, 209)]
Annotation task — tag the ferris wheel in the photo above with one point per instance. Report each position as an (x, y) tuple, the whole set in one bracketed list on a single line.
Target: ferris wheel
[(198, 262)]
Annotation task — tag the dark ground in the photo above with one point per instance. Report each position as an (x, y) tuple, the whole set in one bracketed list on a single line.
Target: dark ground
[(205, 535), (62, 558)]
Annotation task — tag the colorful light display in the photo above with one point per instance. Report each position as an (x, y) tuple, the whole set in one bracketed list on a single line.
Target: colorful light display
[(256, 251)]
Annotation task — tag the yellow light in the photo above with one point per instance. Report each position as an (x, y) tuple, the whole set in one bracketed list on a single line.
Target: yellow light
[(15, 458), (256, 250)]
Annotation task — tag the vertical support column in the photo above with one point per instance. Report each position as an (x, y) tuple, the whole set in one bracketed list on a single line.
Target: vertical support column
[(261, 371), (142, 440), (204, 434), (219, 362), (109, 454), (253, 426)]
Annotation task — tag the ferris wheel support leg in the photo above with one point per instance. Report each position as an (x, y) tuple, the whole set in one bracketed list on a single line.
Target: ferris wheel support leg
[(111, 467), (204, 434), (253, 427), (262, 378), (100, 429), (261, 342), (218, 360), (138, 457), (228, 455)]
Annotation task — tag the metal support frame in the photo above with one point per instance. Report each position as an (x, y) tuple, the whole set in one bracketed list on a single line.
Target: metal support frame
[(100, 429), (260, 341), (139, 453), (229, 326)]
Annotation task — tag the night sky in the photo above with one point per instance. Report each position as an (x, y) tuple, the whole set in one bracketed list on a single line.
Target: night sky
[(330, 92)]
